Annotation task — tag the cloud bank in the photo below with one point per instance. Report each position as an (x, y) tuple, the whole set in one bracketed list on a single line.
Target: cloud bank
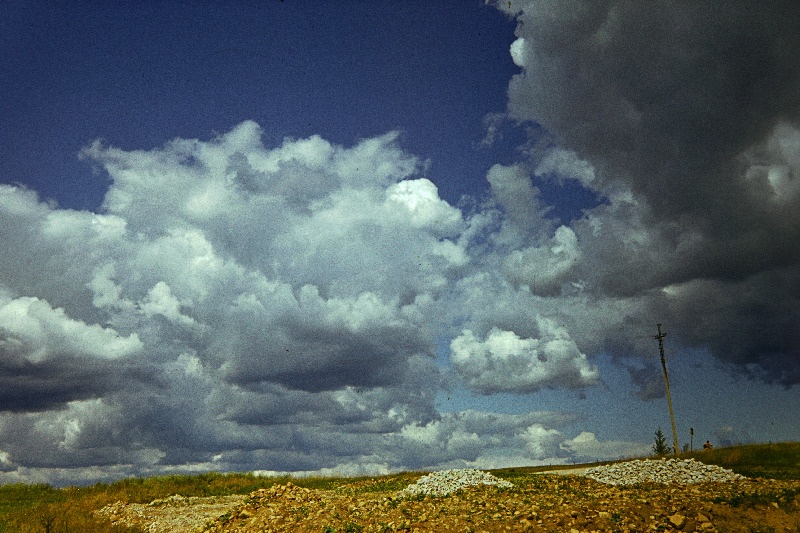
[(235, 306)]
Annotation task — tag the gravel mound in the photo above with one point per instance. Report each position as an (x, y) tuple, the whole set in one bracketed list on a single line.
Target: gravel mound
[(680, 471), (446, 482)]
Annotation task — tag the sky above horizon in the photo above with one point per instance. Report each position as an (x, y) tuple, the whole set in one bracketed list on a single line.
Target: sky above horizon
[(358, 238)]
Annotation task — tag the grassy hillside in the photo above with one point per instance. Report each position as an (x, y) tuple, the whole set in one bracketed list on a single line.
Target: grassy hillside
[(774, 461), (41, 508)]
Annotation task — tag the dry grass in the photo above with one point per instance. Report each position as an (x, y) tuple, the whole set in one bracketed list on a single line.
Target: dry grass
[(43, 509)]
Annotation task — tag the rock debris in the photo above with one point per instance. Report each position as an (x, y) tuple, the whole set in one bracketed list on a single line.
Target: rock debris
[(537, 503), (680, 471), (446, 482)]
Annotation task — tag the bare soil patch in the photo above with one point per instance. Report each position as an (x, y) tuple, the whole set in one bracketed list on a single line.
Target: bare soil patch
[(174, 514)]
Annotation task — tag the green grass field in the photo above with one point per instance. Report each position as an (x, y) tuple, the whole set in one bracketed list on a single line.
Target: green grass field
[(44, 509)]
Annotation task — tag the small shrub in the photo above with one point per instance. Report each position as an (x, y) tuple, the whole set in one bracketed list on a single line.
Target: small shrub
[(660, 447)]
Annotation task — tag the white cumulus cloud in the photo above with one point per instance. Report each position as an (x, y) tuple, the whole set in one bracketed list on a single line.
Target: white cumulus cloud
[(36, 332), (545, 268), (505, 362), (585, 446)]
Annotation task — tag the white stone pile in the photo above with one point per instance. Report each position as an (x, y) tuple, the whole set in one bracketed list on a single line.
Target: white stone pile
[(680, 471), (446, 482)]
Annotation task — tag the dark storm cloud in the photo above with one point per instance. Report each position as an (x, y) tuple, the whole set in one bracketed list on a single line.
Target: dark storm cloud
[(689, 115), (682, 87), (312, 352), (648, 381), (668, 98), (751, 322), (27, 386)]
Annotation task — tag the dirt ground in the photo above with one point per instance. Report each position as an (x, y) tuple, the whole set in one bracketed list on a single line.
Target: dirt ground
[(537, 503)]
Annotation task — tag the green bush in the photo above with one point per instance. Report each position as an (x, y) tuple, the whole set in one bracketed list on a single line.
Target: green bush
[(660, 447)]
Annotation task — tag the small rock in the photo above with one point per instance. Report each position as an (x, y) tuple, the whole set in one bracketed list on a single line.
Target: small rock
[(677, 520)]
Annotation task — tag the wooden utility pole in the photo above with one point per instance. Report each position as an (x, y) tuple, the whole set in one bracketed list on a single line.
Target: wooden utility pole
[(660, 338)]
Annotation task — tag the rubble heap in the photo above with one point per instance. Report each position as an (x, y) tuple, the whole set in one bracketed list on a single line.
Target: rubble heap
[(446, 482), (680, 471)]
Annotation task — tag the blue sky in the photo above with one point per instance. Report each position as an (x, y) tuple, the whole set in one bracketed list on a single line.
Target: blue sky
[(363, 237), (141, 75)]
